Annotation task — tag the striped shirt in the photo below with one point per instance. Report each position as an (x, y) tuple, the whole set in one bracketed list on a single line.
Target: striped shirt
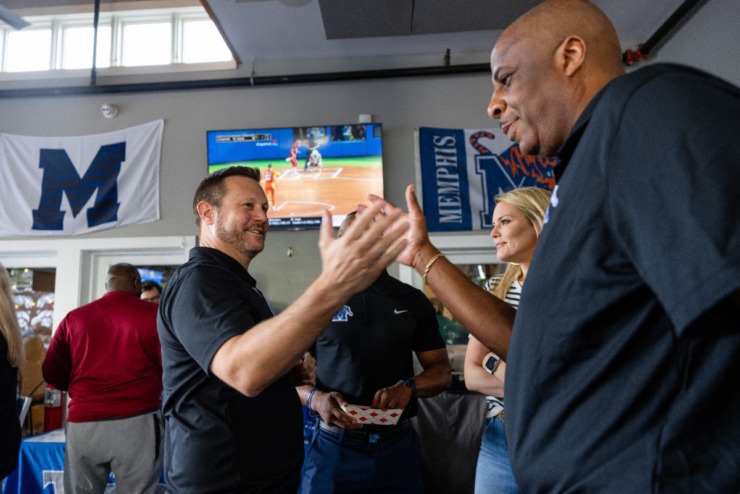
[(513, 294), (494, 404)]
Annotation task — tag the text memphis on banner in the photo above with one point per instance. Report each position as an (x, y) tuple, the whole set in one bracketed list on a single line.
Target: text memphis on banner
[(81, 184), (463, 169)]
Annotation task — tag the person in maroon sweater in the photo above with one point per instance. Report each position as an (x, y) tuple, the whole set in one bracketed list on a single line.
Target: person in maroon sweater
[(106, 354)]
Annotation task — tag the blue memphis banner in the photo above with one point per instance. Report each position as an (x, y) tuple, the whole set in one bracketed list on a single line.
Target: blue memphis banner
[(81, 184), (462, 170)]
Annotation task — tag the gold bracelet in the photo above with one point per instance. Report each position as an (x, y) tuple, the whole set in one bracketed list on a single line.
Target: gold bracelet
[(430, 264)]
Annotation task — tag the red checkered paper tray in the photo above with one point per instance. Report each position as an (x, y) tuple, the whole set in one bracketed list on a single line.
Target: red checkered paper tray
[(377, 416)]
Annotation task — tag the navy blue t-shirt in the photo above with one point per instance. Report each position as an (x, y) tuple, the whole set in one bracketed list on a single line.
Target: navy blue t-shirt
[(616, 379), (217, 439)]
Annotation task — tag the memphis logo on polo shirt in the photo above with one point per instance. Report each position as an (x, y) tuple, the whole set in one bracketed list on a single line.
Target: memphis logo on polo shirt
[(112, 178), (343, 315)]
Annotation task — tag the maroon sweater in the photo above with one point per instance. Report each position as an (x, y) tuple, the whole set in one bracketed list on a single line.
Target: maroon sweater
[(106, 354)]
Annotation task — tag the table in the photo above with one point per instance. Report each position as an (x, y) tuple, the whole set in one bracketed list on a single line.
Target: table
[(40, 465)]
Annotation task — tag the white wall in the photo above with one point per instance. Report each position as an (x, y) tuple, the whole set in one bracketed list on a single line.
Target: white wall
[(709, 40)]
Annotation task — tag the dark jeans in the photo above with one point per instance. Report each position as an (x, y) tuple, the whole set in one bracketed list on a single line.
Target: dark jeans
[(344, 461)]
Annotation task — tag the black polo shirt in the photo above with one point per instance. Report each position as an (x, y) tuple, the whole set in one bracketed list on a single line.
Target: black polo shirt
[(217, 439), (614, 382), (369, 344)]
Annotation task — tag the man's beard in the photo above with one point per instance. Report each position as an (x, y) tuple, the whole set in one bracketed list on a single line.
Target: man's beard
[(238, 240)]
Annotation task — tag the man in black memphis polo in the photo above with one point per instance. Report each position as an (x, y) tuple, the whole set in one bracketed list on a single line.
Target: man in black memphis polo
[(365, 357)]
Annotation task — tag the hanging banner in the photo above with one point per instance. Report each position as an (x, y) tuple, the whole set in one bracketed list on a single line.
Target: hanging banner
[(75, 185), (463, 169)]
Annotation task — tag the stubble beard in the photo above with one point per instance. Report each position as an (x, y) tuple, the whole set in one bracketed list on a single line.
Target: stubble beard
[(238, 240)]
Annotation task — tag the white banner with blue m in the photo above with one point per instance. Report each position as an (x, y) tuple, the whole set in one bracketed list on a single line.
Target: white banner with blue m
[(81, 184)]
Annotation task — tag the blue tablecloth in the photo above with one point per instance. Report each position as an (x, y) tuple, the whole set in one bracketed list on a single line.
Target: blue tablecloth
[(40, 465), (41, 462)]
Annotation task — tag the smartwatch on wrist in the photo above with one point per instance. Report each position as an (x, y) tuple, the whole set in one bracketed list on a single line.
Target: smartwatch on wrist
[(490, 362)]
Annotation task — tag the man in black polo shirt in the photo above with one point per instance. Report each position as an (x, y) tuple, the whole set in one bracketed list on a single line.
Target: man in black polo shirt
[(365, 357), (623, 365), (233, 420)]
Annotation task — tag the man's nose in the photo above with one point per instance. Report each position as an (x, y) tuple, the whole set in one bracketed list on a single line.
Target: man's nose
[(496, 106)]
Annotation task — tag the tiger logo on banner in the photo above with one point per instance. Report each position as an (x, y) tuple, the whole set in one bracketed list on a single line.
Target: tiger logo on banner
[(463, 169)]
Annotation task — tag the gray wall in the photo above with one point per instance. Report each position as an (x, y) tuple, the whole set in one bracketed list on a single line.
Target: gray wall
[(401, 105), (709, 40)]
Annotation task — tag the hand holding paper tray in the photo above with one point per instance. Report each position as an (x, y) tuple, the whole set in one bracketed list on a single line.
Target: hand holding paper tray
[(376, 416)]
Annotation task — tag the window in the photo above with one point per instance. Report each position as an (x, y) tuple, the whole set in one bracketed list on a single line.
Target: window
[(146, 43), (161, 38), (77, 49), (203, 43), (28, 50)]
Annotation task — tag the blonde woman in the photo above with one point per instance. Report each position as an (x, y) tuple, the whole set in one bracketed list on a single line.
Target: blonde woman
[(11, 357), (517, 223)]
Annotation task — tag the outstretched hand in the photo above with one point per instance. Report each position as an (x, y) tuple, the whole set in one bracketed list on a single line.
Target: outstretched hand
[(366, 248), (419, 248)]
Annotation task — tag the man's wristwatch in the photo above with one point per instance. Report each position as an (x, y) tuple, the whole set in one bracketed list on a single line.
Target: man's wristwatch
[(409, 381)]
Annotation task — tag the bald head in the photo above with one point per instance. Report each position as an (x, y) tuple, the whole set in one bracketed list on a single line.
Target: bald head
[(123, 277), (556, 20), (547, 66)]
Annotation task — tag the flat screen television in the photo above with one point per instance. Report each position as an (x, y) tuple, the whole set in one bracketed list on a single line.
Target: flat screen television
[(330, 167)]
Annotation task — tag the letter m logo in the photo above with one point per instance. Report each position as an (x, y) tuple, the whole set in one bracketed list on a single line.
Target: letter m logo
[(60, 177)]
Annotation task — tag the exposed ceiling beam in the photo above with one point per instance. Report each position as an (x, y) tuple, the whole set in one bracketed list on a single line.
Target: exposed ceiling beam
[(12, 19)]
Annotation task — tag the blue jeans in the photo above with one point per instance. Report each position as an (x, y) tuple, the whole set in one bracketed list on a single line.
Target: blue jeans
[(345, 462), (493, 473)]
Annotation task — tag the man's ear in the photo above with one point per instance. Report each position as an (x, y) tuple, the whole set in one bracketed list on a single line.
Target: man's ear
[(571, 54), (206, 211)]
